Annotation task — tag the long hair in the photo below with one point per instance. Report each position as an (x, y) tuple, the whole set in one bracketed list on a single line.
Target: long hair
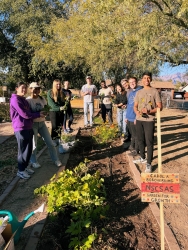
[(55, 92), (18, 84)]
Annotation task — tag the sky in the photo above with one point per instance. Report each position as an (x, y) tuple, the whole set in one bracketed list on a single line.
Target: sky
[(166, 69)]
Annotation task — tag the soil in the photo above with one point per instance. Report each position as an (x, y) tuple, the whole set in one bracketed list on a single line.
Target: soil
[(131, 224)]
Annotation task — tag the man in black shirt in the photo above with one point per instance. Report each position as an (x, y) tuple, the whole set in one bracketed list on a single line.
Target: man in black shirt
[(68, 110)]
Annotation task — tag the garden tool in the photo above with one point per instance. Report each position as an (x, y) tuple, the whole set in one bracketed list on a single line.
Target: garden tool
[(15, 224)]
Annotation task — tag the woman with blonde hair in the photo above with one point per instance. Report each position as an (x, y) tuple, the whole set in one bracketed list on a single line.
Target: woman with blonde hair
[(56, 101)]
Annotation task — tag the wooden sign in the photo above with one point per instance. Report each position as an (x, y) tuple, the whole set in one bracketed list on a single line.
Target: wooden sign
[(163, 178), (161, 187), (4, 88)]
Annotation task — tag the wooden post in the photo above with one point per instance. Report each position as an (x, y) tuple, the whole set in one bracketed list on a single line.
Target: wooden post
[(160, 171)]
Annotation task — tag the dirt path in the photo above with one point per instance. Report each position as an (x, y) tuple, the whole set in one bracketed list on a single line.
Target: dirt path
[(174, 139), (174, 160)]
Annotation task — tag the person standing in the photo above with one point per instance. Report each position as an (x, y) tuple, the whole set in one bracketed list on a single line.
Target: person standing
[(22, 122), (88, 91), (147, 100), (126, 86), (56, 101), (131, 116), (37, 103), (121, 104), (68, 96), (105, 94)]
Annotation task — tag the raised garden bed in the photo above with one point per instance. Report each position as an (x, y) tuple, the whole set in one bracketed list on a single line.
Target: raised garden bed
[(128, 224)]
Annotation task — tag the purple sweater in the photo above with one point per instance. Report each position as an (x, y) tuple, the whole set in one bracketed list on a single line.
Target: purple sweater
[(20, 113)]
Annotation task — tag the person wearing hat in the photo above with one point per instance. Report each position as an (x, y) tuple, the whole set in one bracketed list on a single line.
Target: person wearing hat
[(37, 103), (88, 91)]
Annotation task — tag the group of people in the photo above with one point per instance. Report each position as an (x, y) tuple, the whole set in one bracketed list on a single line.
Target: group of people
[(136, 108), (28, 120)]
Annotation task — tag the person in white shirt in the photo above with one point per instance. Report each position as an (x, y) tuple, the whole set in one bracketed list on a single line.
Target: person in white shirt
[(88, 91), (105, 94), (37, 103)]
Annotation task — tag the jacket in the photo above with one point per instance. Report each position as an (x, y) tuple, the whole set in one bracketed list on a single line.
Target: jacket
[(130, 115), (20, 113)]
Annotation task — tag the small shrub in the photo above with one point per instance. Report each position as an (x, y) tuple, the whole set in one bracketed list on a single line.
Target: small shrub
[(83, 192), (67, 138), (5, 111), (105, 133), (98, 120)]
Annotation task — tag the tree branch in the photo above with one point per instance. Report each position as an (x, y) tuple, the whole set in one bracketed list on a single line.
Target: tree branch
[(169, 58)]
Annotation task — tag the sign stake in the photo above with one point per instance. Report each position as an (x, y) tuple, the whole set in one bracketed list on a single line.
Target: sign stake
[(160, 171)]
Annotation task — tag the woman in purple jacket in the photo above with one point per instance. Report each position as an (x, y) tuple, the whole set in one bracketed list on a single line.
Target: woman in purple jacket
[(22, 122)]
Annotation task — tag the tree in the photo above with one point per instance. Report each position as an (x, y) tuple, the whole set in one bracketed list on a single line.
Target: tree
[(18, 19)]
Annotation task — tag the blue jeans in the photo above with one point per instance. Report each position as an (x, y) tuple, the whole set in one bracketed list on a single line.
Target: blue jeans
[(24, 139), (41, 129), (86, 106), (121, 114)]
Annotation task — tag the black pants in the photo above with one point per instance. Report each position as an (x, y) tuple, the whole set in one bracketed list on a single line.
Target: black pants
[(132, 129), (56, 118), (145, 134), (70, 114), (25, 147), (107, 109)]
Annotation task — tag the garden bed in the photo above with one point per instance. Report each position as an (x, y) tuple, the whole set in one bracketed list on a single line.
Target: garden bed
[(128, 224)]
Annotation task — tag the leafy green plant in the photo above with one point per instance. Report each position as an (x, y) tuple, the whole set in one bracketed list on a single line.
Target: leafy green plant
[(105, 133), (67, 138), (75, 111), (98, 120), (85, 193), (5, 111)]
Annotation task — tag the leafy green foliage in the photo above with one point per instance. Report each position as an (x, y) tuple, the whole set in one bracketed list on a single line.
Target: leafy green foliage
[(98, 120), (5, 111), (82, 191), (67, 138), (105, 133)]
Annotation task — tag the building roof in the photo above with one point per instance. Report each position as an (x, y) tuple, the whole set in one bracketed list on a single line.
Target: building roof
[(161, 85)]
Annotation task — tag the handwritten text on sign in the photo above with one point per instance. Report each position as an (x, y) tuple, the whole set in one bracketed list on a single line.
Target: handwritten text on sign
[(160, 188)]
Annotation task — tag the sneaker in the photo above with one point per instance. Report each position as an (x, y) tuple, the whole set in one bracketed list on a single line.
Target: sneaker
[(148, 168), (140, 160), (29, 170), (36, 165), (58, 163), (23, 174)]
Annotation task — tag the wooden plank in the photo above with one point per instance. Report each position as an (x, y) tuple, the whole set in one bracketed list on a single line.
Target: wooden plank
[(79, 103)]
